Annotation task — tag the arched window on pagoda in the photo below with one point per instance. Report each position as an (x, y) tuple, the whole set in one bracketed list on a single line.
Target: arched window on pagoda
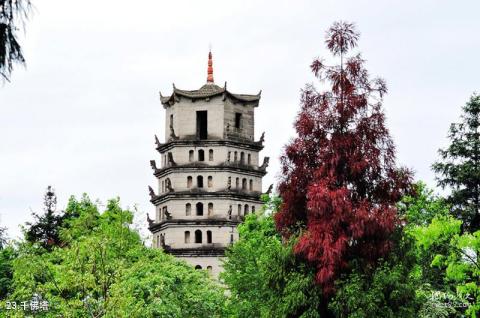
[(210, 155), (242, 157), (245, 211), (249, 159), (200, 181), (237, 183), (189, 181), (235, 157), (199, 208), (188, 209), (210, 208), (210, 181), (198, 236), (187, 237), (244, 184), (201, 155), (250, 186), (198, 267), (190, 156), (239, 209), (209, 237)]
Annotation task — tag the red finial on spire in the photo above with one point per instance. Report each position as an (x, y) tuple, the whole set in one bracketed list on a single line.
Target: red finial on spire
[(210, 68)]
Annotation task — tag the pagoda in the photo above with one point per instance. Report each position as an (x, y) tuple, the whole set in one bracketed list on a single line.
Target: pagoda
[(209, 176)]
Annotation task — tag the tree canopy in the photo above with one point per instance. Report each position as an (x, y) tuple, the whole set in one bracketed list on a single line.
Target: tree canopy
[(459, 167), (102, 269), (264, 276), (13, 14), (340, 183)]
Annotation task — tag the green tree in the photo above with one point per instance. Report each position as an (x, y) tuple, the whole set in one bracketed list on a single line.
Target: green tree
[(459, 168), (3, 237), (419, 210), (102, 269), (13, 14), (7, 255), (45, 229), (422, 206), (459, 260), (387, 288), (264, 276)]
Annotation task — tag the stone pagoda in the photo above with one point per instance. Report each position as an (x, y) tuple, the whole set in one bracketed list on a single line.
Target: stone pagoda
[(209, 176)]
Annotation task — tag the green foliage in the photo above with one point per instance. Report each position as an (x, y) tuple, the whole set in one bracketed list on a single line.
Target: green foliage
[(7, 255), (402, 285), (459, 259), (45, 230), (459, 168), (3, 237), (418, 211), (157, 286), (422, 207), (387, 289), (263, 275), (103, 270)]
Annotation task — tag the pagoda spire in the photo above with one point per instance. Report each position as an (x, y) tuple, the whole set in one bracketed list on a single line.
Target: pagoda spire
[(210, 68)]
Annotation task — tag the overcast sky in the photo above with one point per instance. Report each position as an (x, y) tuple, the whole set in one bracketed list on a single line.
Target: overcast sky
[(82, 115)]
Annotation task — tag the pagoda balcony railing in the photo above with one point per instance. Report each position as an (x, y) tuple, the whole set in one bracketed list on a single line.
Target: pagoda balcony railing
[(237, 134), (220, 217)]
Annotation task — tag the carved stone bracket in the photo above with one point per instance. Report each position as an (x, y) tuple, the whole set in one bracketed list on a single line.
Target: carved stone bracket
[(264, 165), (269, 190), (151, 192), (262, 139), (153, 164), (149, 220), (157, 142)]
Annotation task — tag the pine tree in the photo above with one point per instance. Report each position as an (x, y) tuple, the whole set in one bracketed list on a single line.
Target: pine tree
[(340, 182), (13, 14), (46, 228), (459, 167)]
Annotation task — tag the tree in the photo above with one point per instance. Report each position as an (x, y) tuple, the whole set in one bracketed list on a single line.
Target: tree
[(420, 207), (7, 255), (387, 289), (104, 270), (13, 14), (264, 276), (3, 237), (457, 257), (419, 210), (46, 228), (340, 183), (459, 168)]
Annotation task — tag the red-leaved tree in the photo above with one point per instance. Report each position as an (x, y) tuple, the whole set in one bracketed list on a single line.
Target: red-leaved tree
[(340, 182)]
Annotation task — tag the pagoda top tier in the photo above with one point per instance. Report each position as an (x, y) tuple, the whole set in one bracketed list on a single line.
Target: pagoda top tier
[(207, 91)]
